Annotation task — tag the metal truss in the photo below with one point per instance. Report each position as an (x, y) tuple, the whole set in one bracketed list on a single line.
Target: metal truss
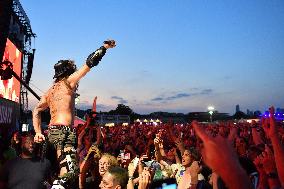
[(27, 49)]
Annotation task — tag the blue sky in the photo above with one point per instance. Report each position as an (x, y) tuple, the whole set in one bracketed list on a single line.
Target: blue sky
[(171, 55)]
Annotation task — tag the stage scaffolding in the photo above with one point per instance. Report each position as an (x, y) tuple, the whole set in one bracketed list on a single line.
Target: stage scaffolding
[(26, 46)]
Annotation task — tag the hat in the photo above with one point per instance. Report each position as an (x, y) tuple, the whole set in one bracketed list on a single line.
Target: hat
[(64, 68)]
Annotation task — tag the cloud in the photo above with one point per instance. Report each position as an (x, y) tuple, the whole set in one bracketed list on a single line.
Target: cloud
[(206, 91), (174, 97), (120, 99), (165, 97), (157, 99), (177, 96)]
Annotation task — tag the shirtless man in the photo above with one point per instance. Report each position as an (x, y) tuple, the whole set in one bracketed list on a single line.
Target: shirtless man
[(60, 99)]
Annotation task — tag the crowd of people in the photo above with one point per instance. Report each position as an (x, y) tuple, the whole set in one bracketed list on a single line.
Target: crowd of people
[(194, 155), (235, 155)]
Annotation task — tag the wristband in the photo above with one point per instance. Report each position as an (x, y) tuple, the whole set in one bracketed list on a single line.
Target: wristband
[(95, 57)]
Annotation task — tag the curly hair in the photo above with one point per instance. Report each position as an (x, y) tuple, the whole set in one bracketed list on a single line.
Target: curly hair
[(111, 159)]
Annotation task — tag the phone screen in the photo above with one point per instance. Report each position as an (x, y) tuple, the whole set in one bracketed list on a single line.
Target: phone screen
[(169, 186), (164, 184), (127, 156)]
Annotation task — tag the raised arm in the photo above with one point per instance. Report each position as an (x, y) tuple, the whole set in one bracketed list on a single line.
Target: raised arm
[(95, 104), (219, 155), (42, 105), (278, 149), (92, 60)]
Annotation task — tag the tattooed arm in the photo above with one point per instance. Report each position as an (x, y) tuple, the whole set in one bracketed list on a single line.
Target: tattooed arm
[(42, 105)]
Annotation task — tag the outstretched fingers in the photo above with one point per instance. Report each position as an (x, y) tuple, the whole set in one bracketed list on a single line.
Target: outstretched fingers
[(200, 132)]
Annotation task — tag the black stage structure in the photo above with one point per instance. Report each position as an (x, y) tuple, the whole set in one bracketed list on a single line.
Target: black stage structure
[(15, 27)]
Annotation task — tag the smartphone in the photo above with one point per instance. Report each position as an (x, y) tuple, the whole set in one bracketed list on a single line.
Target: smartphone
[(164, 184), (127, 156)]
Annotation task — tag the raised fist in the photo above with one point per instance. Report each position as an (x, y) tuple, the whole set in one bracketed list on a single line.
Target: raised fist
[(95, 57), (110, 43)]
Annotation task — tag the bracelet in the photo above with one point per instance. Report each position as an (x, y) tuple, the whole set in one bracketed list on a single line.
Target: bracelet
[(130, 177)]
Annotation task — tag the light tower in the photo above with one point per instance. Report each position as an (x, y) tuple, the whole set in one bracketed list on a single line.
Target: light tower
[(210, 111)]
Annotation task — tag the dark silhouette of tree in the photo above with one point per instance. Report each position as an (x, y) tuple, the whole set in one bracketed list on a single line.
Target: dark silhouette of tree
[(240, 115), (122, 109)]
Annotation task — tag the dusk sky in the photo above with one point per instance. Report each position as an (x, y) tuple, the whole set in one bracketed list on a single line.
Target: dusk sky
[(171, 55)]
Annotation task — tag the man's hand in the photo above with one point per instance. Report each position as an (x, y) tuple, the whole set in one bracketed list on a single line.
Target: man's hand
[(110, 43), (39, 138), (95, 57)]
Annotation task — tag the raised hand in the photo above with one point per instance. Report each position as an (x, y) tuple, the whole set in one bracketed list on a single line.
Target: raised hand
[(157, 141), (268, 161), (94, 150), (215, 149), (266, 166), (110, 43), (95, 57), (273, 128), (144, 179), (220, 156)]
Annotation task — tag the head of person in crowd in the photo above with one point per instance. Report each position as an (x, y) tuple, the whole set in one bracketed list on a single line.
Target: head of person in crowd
[(189, 156), (241, 146), (16, 137), (27, 146), (253, 152), (115, 178), (105, 162), (16, 141), (170, 153)]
